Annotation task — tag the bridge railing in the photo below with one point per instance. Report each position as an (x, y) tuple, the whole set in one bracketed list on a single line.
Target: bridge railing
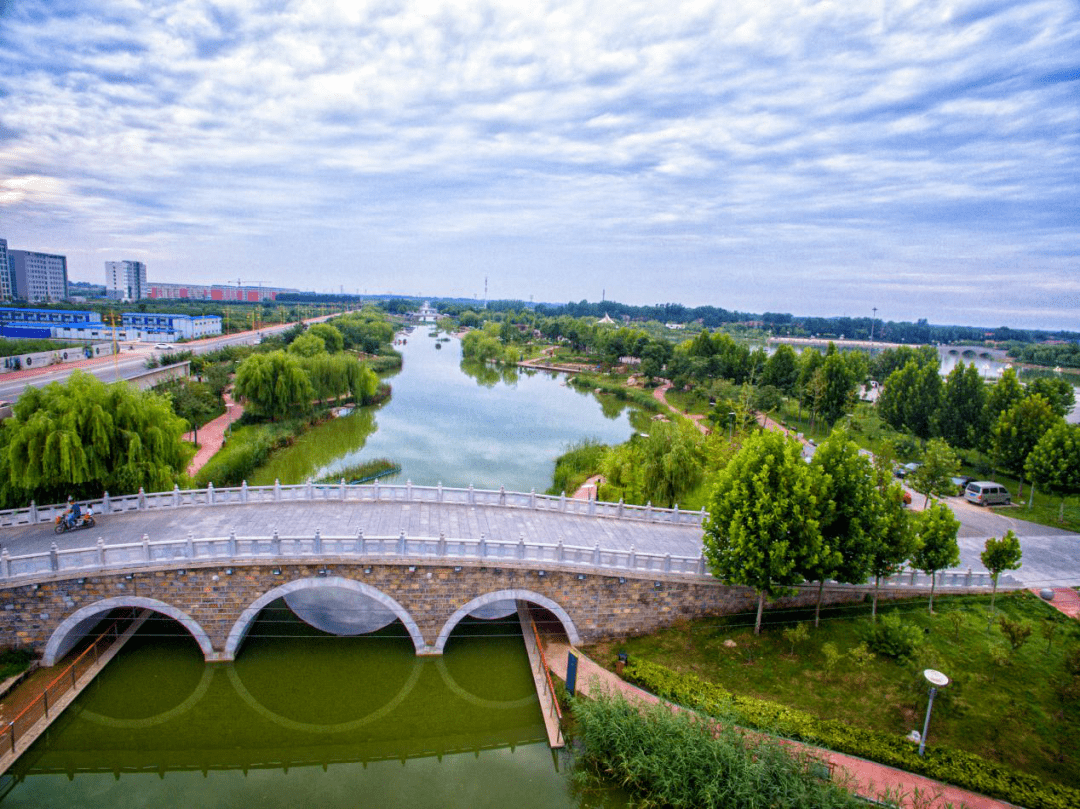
[(344, 492), (316, 549)]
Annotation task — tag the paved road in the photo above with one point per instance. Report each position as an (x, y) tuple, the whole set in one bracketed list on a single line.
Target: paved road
[(1051, 557), (334, 518)]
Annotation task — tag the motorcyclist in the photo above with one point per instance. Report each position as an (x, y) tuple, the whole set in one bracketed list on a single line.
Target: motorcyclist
[(73, 513)]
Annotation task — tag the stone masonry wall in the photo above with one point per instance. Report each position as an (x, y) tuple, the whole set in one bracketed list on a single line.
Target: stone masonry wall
[(600, 606)]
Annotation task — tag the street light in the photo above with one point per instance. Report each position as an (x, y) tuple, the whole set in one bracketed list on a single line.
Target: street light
[(937, 680), (731, 425)]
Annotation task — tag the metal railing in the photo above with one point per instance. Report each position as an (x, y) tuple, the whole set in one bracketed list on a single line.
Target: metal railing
[(543, 673), (356, 493), (358, 548), (65, 681)]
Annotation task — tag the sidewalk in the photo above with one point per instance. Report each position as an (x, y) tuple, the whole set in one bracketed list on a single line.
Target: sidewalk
[(1066, 600), (212, 434), (866, 778)]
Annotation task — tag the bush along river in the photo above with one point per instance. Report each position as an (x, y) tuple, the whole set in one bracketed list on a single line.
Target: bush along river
[(458, 424), (304, 718)]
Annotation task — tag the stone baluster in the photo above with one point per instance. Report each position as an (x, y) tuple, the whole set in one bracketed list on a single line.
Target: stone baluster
[(317, 546), (210, 493), (275, 543), (232, 544), (54, 557), (175, 496), (142, 499), (147, 555), (667, 562), (401, 543), (190, 545), (482, 547), (596, 555), (521, 546), (633, 558), (440, 549), (559, 551), (532, 499), (243, 491), (648, 511), (106, 503), (277, 490), (101, 552), (5, 563), (620, 508), (341, 484)]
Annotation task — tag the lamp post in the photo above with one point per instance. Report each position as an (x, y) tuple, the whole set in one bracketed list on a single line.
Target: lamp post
[(937, 680), (731, 425)]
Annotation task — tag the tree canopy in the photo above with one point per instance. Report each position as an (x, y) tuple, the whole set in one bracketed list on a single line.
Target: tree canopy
[(83, 437), (274, 384), (763, 527), (937, 549), (1054, 462)]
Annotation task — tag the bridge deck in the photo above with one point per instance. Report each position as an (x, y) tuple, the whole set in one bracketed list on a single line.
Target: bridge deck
[(346, 518)]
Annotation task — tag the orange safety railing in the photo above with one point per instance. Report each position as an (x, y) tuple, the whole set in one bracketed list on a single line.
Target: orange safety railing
[(556, 709), (65, 681)]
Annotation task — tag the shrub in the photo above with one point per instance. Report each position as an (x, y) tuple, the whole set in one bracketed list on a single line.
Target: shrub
[(891, 637), (674, 759)]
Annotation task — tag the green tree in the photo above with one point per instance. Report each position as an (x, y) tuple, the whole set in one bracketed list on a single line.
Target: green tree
[(848, 514), (1054, 462), (673, 462), (911, 399), (274, 384), (936, 548), (934, 477), (962, 418), (1004, 393), (1056, 390), (838, 386), (999, 555), (782, 369), (1018, 430), (895, 540), (83, 437), (331, 337), (307, 345), (763, 525)]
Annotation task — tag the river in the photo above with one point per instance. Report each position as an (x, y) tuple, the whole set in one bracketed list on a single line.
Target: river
[(458, 426)]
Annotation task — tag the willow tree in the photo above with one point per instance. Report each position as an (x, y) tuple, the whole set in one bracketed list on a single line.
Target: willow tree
[(84, 437), (334, 375), (274, 384), (763, 527)]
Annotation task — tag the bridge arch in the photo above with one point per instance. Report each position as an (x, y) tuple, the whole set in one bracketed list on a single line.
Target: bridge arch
[(506, 595), (247, 617), (76, 625)]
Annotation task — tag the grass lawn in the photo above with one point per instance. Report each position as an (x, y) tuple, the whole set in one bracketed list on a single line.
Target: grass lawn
[(1014, 712)]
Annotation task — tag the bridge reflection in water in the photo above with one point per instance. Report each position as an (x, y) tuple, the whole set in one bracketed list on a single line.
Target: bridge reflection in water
[(305, 704)]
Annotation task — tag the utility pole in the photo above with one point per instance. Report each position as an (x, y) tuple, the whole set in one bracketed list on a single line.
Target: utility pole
[(872, 321)]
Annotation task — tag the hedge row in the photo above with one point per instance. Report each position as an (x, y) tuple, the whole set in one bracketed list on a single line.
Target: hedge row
[(963, 769)]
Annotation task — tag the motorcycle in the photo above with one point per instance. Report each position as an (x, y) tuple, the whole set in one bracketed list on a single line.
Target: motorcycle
[(84, 520)]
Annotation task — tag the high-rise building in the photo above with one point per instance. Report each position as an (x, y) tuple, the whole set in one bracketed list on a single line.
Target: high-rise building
[(7, 286), (38, 276), (125, 280)]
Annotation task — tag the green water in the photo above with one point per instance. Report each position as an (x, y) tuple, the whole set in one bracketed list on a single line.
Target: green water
[(458, 425), (305, 719)]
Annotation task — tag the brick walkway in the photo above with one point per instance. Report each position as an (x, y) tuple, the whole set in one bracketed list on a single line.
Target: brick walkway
[(212, 434), (866, 778), (1066, 600)]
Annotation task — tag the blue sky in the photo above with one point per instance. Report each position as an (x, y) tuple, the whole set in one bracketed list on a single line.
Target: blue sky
[(809, 157)]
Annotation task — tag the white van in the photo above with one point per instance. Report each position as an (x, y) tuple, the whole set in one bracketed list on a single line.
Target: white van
[(987, 493)]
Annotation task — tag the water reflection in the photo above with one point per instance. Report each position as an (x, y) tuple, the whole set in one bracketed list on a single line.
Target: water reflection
[(304, 718)]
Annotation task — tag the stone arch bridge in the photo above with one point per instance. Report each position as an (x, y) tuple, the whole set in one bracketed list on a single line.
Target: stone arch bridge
[(425, 556)]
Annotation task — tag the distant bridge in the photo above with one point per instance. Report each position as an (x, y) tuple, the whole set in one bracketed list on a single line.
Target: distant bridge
[(427, 556)]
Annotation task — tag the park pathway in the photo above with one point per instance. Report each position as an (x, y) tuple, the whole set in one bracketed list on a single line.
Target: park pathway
[(867, 778), (212, 434)]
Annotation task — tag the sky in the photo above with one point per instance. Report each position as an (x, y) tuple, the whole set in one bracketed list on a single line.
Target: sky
[(819, 158)]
